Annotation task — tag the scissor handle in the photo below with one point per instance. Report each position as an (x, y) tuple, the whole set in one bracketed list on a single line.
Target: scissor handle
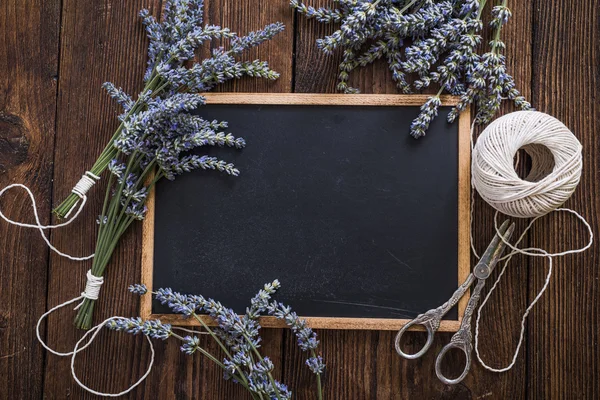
[(466, 349), (430, 331)]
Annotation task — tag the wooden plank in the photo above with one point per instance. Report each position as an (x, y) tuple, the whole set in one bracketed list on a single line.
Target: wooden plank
[(564, 355), (500, 323), (104, 41), (29, 33), (383, 374), (381, 324), (244, 16), (100, 41)]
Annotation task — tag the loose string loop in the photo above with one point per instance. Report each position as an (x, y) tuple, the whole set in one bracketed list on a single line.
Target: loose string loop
[(80, 189), (92, 289), (555, 173), (94, 332)]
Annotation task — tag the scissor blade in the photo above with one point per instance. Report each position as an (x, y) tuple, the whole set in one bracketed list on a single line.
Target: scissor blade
[(494, 251)]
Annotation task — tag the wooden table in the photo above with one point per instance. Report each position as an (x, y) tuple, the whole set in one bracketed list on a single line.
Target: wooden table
[(55, 119)]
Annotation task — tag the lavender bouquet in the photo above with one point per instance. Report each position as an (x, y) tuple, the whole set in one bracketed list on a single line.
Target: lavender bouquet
[(237, 336), (434, 41), (157, 132)]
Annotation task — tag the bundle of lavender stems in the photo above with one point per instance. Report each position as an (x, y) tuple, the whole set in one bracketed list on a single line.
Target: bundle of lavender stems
[(157, 131)]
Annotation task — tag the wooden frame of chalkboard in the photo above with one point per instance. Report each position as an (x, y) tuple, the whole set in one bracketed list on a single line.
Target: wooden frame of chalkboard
[(363, 100)]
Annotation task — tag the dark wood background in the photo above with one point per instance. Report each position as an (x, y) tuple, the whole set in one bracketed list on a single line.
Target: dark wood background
[(55, 119)]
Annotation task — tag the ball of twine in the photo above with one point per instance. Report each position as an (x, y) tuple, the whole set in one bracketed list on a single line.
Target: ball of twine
[(556, 164)]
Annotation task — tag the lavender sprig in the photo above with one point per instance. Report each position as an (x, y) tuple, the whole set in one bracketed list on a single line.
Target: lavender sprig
[(169, 79), (238, 336), (444, 38), (306, 337), (157, 133)]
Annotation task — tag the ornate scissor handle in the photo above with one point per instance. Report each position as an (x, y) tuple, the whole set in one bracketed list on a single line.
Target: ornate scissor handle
[(462, 341), (430, 322)]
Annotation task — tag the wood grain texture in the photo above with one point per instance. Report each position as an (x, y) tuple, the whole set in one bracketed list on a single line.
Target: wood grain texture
[(100, 41), (564, 351), (501, 317), (401, 378), (552, 51), (28, 67), (104, 41)]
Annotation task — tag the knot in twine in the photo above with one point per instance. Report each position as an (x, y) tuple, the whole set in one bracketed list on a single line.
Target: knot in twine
[(85, 184), (555, 157)]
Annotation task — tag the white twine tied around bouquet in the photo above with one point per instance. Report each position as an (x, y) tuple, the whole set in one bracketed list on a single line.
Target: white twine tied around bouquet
[(93, 283), (556, 164)]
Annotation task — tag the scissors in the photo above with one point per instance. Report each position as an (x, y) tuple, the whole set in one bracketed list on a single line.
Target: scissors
[(462, 339)]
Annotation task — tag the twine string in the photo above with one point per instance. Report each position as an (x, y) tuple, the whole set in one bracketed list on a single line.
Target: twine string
[(92, 289), (556, 170), (81, 188)]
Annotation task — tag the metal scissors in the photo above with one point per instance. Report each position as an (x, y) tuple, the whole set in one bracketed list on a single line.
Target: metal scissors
[(462, 339)]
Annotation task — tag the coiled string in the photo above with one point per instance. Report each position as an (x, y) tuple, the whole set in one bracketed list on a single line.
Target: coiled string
[(555, 173)]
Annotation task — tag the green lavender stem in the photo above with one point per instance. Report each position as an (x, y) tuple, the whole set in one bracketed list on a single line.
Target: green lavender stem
[(319, 385), (109, 234), (219, 342), (109, 152), (271, 379)]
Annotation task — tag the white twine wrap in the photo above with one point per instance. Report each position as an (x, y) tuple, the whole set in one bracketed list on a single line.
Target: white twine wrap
[(555, 172), (92, 287), (81, 188)]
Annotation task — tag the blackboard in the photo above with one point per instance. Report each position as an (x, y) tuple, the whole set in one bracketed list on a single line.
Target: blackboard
[(364, 226)]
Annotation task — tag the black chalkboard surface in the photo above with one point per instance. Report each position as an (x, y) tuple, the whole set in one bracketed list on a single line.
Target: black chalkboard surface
[(361, 224)]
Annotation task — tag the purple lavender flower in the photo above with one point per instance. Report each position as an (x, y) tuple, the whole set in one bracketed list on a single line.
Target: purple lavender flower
[(321, 14), (260, 302), (119, 95), (237, 335), (316, 365), (156, 329), (500, 16), (429, 111), (128, 325), (190, 345), (307, 339), (175, 301), (151, 328), (444, 37), (136, 210), (116, 168), (138, 288), (253, 39)]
